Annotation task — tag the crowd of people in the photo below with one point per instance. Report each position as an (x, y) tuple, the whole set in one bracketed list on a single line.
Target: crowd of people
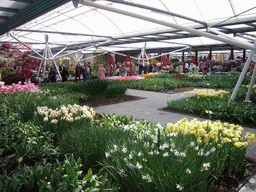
[(84, 71)]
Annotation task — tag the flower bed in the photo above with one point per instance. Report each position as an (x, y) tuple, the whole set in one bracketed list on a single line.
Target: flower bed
[(56, 147), (180, 75), (134, 77), (148, 75), (27, 87), (186, 153), (218, 103)]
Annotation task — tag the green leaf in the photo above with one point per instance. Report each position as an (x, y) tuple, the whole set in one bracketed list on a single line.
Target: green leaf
[(101, 171), (78, 189), (1, 151), (88, 176), (104, 179)]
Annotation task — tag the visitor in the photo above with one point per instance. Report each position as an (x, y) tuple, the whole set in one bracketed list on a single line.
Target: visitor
[(205, 70), (78, 73), (64, 74), (101, 72), (137, 69), (140, 69), (146, 69), (154, 68), (52, 76), (27, 75), (83, 72), (150, 68), (89, 65), (87, 72), (121, 70)]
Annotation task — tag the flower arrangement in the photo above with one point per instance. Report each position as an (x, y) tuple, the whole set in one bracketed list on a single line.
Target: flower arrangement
[(187, 153), (63, 116), (207, 93), (180, 75), (134, 77), (148, 75), (27, 87), (197, 76), (207, 132)]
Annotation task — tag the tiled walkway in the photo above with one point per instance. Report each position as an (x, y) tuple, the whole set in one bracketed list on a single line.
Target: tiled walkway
[(148, 108)]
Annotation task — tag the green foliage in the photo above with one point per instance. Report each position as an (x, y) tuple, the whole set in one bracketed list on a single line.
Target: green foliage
[(138, 155), (90, 142), (148, 157), (93, 89), (24, 104), (238, 112), (167, 81), (26, 141), (94, 74), (72, 72), (115, 90), (62, 176)]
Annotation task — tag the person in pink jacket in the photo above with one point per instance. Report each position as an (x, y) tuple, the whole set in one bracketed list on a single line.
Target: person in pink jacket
[(101, 72)]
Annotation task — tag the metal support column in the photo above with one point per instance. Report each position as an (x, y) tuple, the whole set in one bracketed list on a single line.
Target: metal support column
[(241, 78)]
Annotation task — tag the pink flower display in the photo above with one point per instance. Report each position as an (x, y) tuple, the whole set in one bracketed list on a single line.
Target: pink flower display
[(27, 87), (120, 78)]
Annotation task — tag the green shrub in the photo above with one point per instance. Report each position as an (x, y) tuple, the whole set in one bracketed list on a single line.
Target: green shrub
[(72, 72), (62, 176), (115, 90)]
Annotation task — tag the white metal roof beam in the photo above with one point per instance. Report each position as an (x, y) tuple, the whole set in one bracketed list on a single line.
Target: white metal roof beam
[(244, 45), (62, 33)]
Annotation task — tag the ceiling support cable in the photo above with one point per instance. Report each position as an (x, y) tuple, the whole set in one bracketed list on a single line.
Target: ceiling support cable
[(158, 11), (233, 17)]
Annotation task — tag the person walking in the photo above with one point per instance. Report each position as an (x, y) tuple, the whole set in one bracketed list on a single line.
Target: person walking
[(87, 72), (78, 73), (101, 72), (52, 76), (64, 74)]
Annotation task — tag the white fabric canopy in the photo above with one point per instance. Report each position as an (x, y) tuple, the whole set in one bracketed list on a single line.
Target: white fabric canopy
[(100, 25)]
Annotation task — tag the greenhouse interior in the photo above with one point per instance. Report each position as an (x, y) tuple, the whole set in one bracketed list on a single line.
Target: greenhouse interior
[(125, 95)]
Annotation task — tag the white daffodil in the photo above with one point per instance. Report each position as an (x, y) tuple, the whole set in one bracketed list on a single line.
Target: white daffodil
[(179, 187), (138, 165)]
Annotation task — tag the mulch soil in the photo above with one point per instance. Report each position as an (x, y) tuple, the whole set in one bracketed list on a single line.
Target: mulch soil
[(224, 184), (110, 101)]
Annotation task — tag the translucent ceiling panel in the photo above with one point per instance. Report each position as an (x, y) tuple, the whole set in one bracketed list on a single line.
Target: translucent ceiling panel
[(96, 24), (247, 6)]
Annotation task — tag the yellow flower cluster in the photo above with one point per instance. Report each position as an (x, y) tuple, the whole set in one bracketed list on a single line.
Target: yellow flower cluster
[(68, 113), (212, 132), (197, 76), (205, 93), (148, 75)]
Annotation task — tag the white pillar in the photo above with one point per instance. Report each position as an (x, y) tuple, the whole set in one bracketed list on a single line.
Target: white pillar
[(251, 85), (241, 78)]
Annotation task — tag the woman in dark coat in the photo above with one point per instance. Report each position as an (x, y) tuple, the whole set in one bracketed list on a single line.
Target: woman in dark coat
[(64, 74), (52, 76)]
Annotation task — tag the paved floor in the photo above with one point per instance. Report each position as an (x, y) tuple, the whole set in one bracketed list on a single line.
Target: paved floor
[(148, 108)]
